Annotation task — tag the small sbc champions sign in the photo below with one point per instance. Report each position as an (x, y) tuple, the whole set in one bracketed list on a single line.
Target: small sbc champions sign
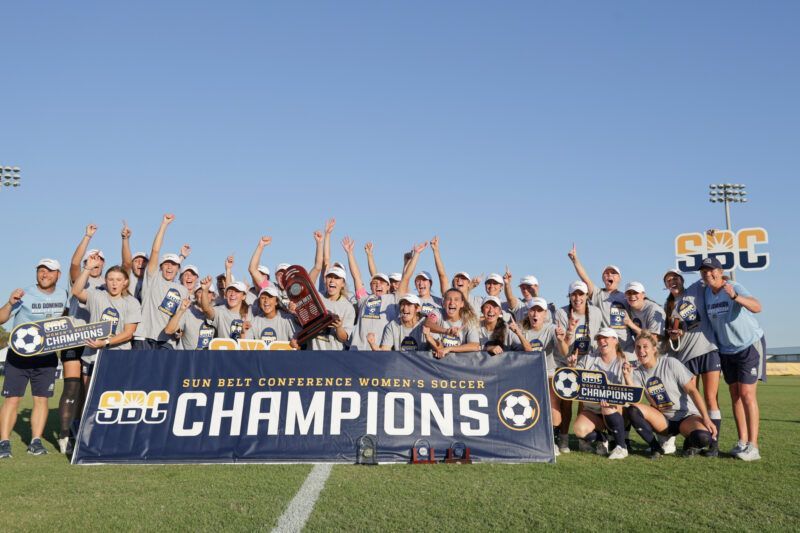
[(592, 386), (53, 334)]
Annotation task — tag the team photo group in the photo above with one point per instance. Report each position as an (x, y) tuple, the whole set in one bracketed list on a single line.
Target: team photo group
[(676, 350)]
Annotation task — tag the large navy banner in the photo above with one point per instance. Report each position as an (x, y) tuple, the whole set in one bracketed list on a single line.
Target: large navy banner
[(283, 406)]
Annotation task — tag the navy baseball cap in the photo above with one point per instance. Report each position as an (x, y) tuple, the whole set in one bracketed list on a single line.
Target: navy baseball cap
[(711, 262)]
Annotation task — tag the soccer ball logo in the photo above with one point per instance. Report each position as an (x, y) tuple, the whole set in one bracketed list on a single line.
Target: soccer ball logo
[(28, 340), (518, 410), (566, 384)]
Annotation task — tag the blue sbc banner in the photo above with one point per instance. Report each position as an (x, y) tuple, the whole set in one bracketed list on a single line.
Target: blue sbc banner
[(284, 406)]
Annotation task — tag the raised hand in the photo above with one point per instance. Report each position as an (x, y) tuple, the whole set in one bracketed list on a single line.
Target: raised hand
[(507, 277), (168, 218), (560, 333), (185, 303), (435, 243), (93, 261), (126, 231), (348, 244), (368, 248), (419, 248), (229, 262), (16, 296), (573, 321), (729, 290), (474, 282), (318, 236), (91, 229), (265, 241), (329, 225), (573, 254), (205, 283), (186, 250)]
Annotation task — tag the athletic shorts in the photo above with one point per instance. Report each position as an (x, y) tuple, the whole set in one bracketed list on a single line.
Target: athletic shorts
[(73, 354), (41, 377), (747, 366), (87, 369), (703, 364), (150, 344), (674, 427)]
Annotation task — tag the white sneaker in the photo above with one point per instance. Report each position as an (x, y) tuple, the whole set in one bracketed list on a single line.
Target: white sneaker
[(602, 448), (750, 453), (585, 446), (618, 453), (739, 448), (667, 444), (555, 449), (63, 444)]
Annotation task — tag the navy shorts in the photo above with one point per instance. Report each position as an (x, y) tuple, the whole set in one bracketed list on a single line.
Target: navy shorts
[(674, 427), (73, 354), (703, 364), (747, 366), (41, 374), (87, 369)]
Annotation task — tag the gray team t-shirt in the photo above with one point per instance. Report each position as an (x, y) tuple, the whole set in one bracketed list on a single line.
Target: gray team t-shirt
[(650, 317), (698, 337), (374, 313), (78, 311), (544, 342), (160, 300), (197, 332), (229, 322), (327, 339), (511, 342), (665, 383), (120, 311), (431, 305), (584, 337), (466, 334), (402, 338), (282, 327)]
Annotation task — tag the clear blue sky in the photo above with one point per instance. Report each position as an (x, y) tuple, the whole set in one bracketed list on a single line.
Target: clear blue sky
[(509, 129)]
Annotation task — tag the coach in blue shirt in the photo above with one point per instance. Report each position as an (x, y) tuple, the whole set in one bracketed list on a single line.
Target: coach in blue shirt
[(742, 348), (37, 302)]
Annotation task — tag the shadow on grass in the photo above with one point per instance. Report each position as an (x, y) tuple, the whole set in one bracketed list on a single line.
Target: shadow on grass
[(51, 428)]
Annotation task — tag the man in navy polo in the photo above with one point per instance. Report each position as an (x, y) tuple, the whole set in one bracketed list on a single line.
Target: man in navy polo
[(742, 348), (37, 302)]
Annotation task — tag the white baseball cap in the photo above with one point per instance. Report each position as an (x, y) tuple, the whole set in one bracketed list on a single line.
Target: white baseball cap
[(336, 271), (537, 302), (673, 271), (174, 258), (190, 268), (211, 288), (139, 254), (634, 286), (615, 268), (381, 275), (607, 332), (424, 274), (410, 298), (578, 286), (338, 264), (237, 285), (463, 275), (94, 252), (496, 278), (271, 290), (493, 299), (49, 264), (264, 270), (529, 280)]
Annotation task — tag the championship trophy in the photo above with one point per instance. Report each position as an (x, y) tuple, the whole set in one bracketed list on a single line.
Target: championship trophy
[(458, 453), (367, 450), (422, 453), (314, 318)]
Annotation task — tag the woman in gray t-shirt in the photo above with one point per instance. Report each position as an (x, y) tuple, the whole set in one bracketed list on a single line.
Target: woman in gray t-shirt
[(675, 406)]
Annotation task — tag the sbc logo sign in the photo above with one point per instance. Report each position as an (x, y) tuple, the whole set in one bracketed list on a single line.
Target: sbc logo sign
[(132, 407), (733, 250)]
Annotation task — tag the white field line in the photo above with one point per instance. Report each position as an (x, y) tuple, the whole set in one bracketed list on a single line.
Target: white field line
[(299, 509)]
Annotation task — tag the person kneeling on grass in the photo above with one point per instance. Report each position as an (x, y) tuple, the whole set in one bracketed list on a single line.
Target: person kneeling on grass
[(675, 405), (593, 418)]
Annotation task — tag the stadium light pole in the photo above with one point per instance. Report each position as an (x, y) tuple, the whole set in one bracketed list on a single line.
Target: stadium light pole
[(727, 193), (9, 176)]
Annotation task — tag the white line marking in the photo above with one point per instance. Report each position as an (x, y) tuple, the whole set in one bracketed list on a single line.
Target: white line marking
[(299, 509)]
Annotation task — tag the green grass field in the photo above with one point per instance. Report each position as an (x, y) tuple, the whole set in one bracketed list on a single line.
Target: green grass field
[(581, 492)]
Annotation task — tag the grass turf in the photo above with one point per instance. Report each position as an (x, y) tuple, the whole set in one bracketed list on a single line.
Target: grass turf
[(581, 492)]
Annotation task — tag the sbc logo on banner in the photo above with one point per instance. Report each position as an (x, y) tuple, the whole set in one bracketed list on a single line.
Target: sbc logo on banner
[(733, 250)]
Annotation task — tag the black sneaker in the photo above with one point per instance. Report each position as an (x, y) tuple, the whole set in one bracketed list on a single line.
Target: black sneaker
[(691, 452), (713, 450), (653, 455), (36, 447), (5, 449)]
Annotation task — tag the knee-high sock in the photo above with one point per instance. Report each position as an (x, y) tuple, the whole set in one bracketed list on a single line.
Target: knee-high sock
[(642, 426), (616, 426), (68, 404), (716, 419), (698, 438)]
